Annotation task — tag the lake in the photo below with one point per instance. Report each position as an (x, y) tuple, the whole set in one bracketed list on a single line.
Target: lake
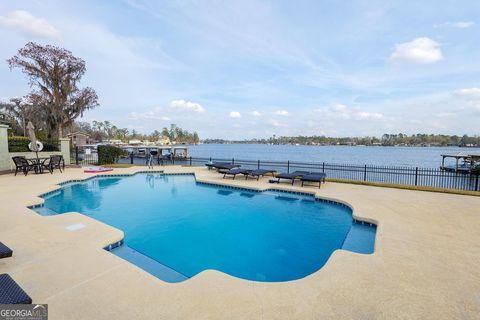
[(389, 156)]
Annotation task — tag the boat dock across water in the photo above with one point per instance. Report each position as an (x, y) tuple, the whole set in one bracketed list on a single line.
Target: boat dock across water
[(465, 162)]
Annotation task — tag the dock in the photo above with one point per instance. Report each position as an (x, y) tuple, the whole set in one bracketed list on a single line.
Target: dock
[(465, 162)]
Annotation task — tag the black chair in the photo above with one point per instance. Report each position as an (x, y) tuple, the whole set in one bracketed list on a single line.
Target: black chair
[(5, 252), (22, 165), (11, 292), (54, 162)]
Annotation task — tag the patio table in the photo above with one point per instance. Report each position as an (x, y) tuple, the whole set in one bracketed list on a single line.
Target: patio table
[(37, 163)]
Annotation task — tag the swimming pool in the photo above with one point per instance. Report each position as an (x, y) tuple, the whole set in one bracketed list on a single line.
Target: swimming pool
[(175, 227)]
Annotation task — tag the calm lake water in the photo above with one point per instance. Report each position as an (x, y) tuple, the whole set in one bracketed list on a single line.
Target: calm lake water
[(389, 156)]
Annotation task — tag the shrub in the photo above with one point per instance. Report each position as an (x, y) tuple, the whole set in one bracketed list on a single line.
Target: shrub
[(20, 144), (109, 154)]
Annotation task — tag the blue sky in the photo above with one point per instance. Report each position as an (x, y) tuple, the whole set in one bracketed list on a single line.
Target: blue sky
[(243, 69)]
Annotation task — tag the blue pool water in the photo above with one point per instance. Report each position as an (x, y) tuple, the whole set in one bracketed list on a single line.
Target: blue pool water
[(176, 228)]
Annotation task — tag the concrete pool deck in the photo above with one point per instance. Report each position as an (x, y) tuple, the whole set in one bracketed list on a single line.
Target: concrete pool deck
[(425, 265)]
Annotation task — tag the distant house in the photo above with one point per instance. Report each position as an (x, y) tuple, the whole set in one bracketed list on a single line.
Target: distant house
[(79, 138), (113, 141), (135, 142), (163, 141), (147, 143)]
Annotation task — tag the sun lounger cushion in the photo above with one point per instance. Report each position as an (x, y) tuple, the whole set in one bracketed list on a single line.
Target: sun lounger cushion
[(314, 177), (234, 172), (292, 175), (226, 166), (5, 251), (11, 293), (261, 172), (258, 173)]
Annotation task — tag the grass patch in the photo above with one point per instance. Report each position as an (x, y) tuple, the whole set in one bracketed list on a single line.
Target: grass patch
[(119, 165), (407, 187)]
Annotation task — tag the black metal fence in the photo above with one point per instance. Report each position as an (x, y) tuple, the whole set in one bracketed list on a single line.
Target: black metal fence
[(414, 176), (84, 156)]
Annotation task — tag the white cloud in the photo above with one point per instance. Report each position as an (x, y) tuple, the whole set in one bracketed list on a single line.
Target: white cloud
[(186, 105), (445, 115), (368, 115), (276, 123), (235, 114), (282, 113), (29, 24), (421, 50), (255, 113), (164, 113), (154, 115), (456, 24), (340, 111), (470, 98), (468, 93)]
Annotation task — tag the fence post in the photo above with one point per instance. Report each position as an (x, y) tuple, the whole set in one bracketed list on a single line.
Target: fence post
[(288, 166), (92, 157), (416, 175), (233, 161), (190, 161), (131, 157), (323, 167), (76, 155), (258, 164), (365, 173), (476, 183)]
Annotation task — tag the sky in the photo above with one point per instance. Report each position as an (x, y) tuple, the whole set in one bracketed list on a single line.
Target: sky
[(252, 69)]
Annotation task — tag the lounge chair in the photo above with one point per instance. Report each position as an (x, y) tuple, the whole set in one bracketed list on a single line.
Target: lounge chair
[(291, 176), (233, 172), (314, 177), (11, 292), (259, 173), (5, 252), (224, 166), (22, 165)]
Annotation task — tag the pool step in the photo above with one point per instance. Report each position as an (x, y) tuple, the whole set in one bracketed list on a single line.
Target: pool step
[(360, 238), (148, 264)]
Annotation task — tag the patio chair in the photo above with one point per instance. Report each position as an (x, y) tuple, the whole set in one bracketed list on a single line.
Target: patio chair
[(22, 165), (291, 176), (11, 292), (54, 162), (314, 177), (235, 171), (5, 252), (259, 173)]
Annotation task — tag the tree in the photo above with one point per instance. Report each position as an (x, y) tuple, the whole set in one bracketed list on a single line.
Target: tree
[(166, 133), (196, 139), (54, 74)]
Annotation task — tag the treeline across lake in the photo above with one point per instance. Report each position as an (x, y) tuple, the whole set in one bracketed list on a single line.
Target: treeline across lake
[(386, 140), (100, 131)]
